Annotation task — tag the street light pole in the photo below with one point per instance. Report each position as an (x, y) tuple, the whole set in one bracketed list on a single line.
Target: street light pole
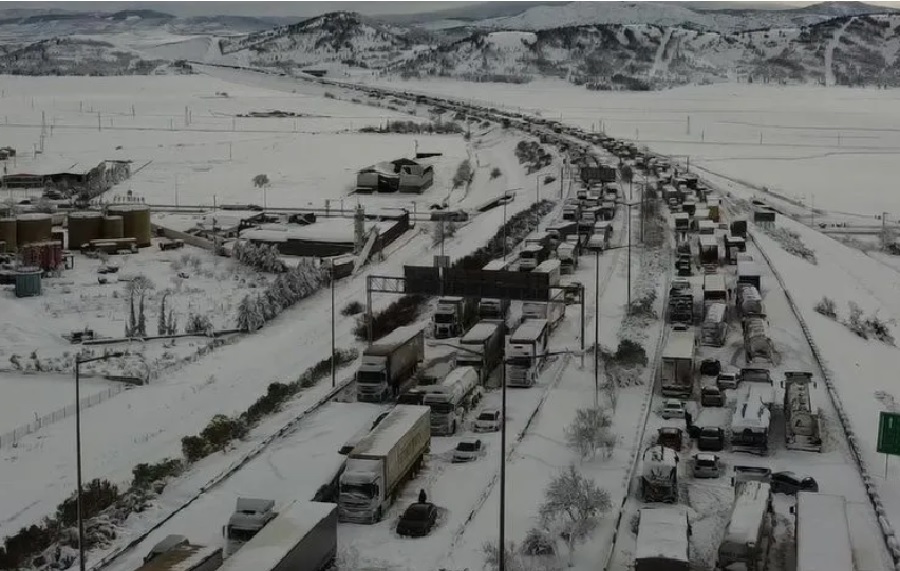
[(597, 333), (78, 494), (504, 233), (503, 467), (333, 364), (628, 308)]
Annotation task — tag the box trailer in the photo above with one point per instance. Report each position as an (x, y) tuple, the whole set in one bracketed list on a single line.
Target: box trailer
[(525, 352), (388, 364), (663, 540), (302, 538), (382, 462), (676, 369), (176, 553), (748, 272), (452, 399), (453, 315), (746, 540), (483, 346)]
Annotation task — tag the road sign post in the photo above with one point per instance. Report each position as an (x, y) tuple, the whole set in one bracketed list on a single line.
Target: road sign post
[(888, 436)]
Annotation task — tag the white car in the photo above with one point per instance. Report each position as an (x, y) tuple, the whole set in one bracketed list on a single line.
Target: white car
[(489, 420), (468, 450), (672, 409)]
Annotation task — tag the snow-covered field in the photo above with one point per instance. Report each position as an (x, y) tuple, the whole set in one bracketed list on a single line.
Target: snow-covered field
[(834, 146)]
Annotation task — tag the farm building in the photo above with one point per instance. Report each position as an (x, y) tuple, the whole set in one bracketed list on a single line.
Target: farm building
[(401, 175)]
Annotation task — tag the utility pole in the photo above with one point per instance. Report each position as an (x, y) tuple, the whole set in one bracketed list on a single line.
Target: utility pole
[(597, 331), (333, 364), (628, 308), (884, 235)]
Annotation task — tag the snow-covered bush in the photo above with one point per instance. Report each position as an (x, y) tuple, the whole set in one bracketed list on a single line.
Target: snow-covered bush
[(261, 257), (194, 448), (867, 327), (590, 430), (96, 496), (464, 174), (826, 307), (628, 354), (572, 508), (517, 228), (791, 243), (643, 306), (399, 313), (538, 542), (145, 475), (221, 430), (198, 324), (496, 173), (353, 308), (288, 288)]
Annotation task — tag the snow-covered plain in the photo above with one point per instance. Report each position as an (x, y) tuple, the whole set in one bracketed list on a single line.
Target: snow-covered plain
[(836, 147)]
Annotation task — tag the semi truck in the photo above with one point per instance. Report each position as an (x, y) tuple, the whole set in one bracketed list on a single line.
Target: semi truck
[(659, 475), (382, 462), (746, 537), (388, 364), (483, 347), (492, 308), (567, 254), (525, 350), (748, 273), (176, 553), (250, 515), (676, 370), (801, 417), (452, 399), (452, 316), (552, 310), (302, 538), (553, 269)]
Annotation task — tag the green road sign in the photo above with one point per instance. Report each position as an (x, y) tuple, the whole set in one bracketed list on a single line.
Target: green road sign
[(889, 433)]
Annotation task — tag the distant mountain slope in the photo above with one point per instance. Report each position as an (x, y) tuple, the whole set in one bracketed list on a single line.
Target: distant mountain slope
[(675, 14), (643, 56), (74, 56), (338, 36)]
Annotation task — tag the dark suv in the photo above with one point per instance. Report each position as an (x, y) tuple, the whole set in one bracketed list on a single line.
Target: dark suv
[(791, 482)]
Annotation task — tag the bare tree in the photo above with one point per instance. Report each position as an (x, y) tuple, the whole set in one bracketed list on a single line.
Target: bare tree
[(260, 180), (137, 288), (573, 505), (589, 431)]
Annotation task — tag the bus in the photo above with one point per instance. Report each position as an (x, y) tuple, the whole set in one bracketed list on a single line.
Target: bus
[(822, 533), (746, 536), (662, 540), (750, 423)]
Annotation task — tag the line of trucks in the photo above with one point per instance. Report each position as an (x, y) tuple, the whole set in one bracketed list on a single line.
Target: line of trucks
[(302, 536)]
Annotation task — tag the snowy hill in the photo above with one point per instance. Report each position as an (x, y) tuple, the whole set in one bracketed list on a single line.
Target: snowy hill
[(673, 14), (337, 36), (75, 56), (860, 49)]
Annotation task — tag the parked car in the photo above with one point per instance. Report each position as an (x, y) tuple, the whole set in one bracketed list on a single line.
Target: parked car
[(488, 421), (727, 380), (468, 450), (711, 438), (706, 465), (672, 409), (710, 367), (791, 482), (418, 520), (712, 396)]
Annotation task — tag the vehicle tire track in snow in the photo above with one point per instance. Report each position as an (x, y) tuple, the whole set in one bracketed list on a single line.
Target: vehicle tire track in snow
[(829, 52)]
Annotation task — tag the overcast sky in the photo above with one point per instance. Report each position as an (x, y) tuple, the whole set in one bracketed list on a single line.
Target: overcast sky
[(304, 9)]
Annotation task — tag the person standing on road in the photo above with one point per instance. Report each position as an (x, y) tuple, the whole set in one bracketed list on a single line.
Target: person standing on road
[(422, 497)]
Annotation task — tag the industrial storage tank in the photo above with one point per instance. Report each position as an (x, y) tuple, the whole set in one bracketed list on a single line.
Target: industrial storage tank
[(8, 233), (84, 227), (28, 282), (34, 227), (136, 218), (113, 227)]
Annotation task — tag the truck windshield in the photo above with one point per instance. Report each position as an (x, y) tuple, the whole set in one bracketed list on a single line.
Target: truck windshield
[(369, 377), (442, 407), (363, 490), (238, 534), (519, 361), (443, 318)]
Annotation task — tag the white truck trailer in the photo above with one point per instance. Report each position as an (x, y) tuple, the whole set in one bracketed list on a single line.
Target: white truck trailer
[(382, 462), (525, 350), (388, 364), (676, 369), (663, 540), (176, 553), (553, 269), (746, 535), (302, 538), (452, 399), (482, 347), (554, 309)]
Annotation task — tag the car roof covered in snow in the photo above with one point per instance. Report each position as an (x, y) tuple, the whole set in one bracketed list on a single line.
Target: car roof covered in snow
[(662, 534), (274, 541)]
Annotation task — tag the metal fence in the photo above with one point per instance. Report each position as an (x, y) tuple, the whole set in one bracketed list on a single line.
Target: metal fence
[(12, 437)]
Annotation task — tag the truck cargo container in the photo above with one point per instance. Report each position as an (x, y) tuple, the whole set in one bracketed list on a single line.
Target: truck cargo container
[(715, 289), (176, 553), (525, 352), (552, 269), (558, 231), (663, 540), (568, 258), (746, 540), (452, 399), (709, 249), (739, 228), (382, 462), (483, 347), (714, 330), (492, 308), (676, 369), (531, 257), (553, 310), (388, 364), (453, 315), (302, 538), (748, 272)]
